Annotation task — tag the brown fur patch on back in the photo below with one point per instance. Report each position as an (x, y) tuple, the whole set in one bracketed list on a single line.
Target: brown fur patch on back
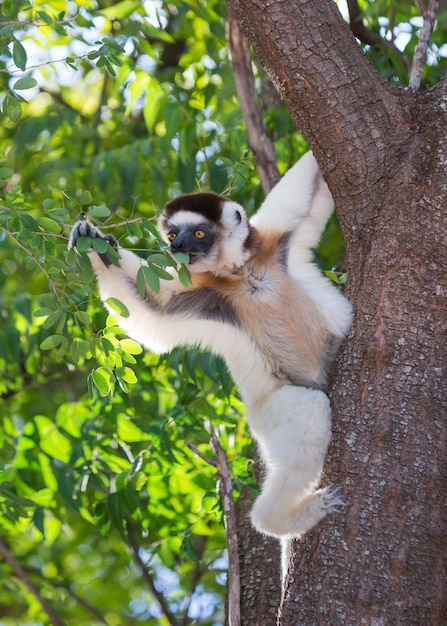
[(276, 313)]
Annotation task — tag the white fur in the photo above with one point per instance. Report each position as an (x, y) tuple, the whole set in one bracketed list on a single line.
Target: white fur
[(233, 254), (301, 202), (291, 424), (290, 199)]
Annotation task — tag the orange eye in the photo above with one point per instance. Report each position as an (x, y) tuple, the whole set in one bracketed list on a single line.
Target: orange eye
[(171, 236), (199, 234)]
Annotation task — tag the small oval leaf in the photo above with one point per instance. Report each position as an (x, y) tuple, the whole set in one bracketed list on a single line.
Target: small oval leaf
[(119, 307), (25, 83), (19, 55)]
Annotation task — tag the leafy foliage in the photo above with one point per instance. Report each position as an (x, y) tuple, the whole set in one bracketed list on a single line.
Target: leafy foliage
[(399, 23), (108, 110), (94, 470)]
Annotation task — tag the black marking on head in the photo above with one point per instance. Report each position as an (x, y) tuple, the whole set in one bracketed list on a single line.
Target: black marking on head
[(207, 204), (186, 240)]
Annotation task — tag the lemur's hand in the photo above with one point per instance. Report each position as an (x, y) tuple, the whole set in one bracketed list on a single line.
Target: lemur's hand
[(83, 228)]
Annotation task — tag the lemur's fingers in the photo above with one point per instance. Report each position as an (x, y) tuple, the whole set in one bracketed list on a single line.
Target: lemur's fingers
[(83, 228)]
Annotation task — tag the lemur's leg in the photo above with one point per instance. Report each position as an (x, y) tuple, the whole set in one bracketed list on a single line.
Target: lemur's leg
[(293, 440)]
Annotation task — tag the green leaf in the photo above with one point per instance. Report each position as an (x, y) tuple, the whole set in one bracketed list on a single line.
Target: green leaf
[(25, 83), (66, 485), (152, 32), (340, 278), (45, 17), (181, 257), (119, 307), (103, 378), (19, 55), (187, 142), (146, 276), (53, 341), (85, 198), (42, 312), (155, 96), (184, 276), (49, 203), (6, 172), (134, 230), (12, 108), (164, 260), (131, 346), (71, 62), (83, 317), (99, 211), (163, 274), (47, 224), (127, 374), (83, 244), (99, 245), (120, 10), (112, 43), (116, 512), (52, 441), (129, 432)]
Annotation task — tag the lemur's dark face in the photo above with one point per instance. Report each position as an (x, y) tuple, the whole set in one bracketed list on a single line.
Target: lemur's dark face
[(196, 239), (208, 227), (190, 223)]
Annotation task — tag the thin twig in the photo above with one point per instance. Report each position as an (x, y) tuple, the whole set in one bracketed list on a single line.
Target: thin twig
[(251, 109), (148, 578), (203, 456), (22, 575), (196, 575), (421, 6), (429, 17), (39, 265), (229, 510)]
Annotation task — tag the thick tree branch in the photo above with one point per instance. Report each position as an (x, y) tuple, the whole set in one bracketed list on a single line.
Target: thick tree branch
[(19, 571), (319, 70), (251, 109), (420, 53)]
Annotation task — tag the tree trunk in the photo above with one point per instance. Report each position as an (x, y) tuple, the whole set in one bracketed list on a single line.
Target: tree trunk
[(259, 568), (382, 151)]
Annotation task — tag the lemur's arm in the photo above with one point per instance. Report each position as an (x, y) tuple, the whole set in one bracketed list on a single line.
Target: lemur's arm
[(300, 194), (119, 282), (176, 316)]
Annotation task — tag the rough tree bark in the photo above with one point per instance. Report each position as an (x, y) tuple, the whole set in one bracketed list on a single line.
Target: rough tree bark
[(383, 152)]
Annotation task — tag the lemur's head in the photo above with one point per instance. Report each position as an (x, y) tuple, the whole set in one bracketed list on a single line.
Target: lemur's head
[(213, 230)]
